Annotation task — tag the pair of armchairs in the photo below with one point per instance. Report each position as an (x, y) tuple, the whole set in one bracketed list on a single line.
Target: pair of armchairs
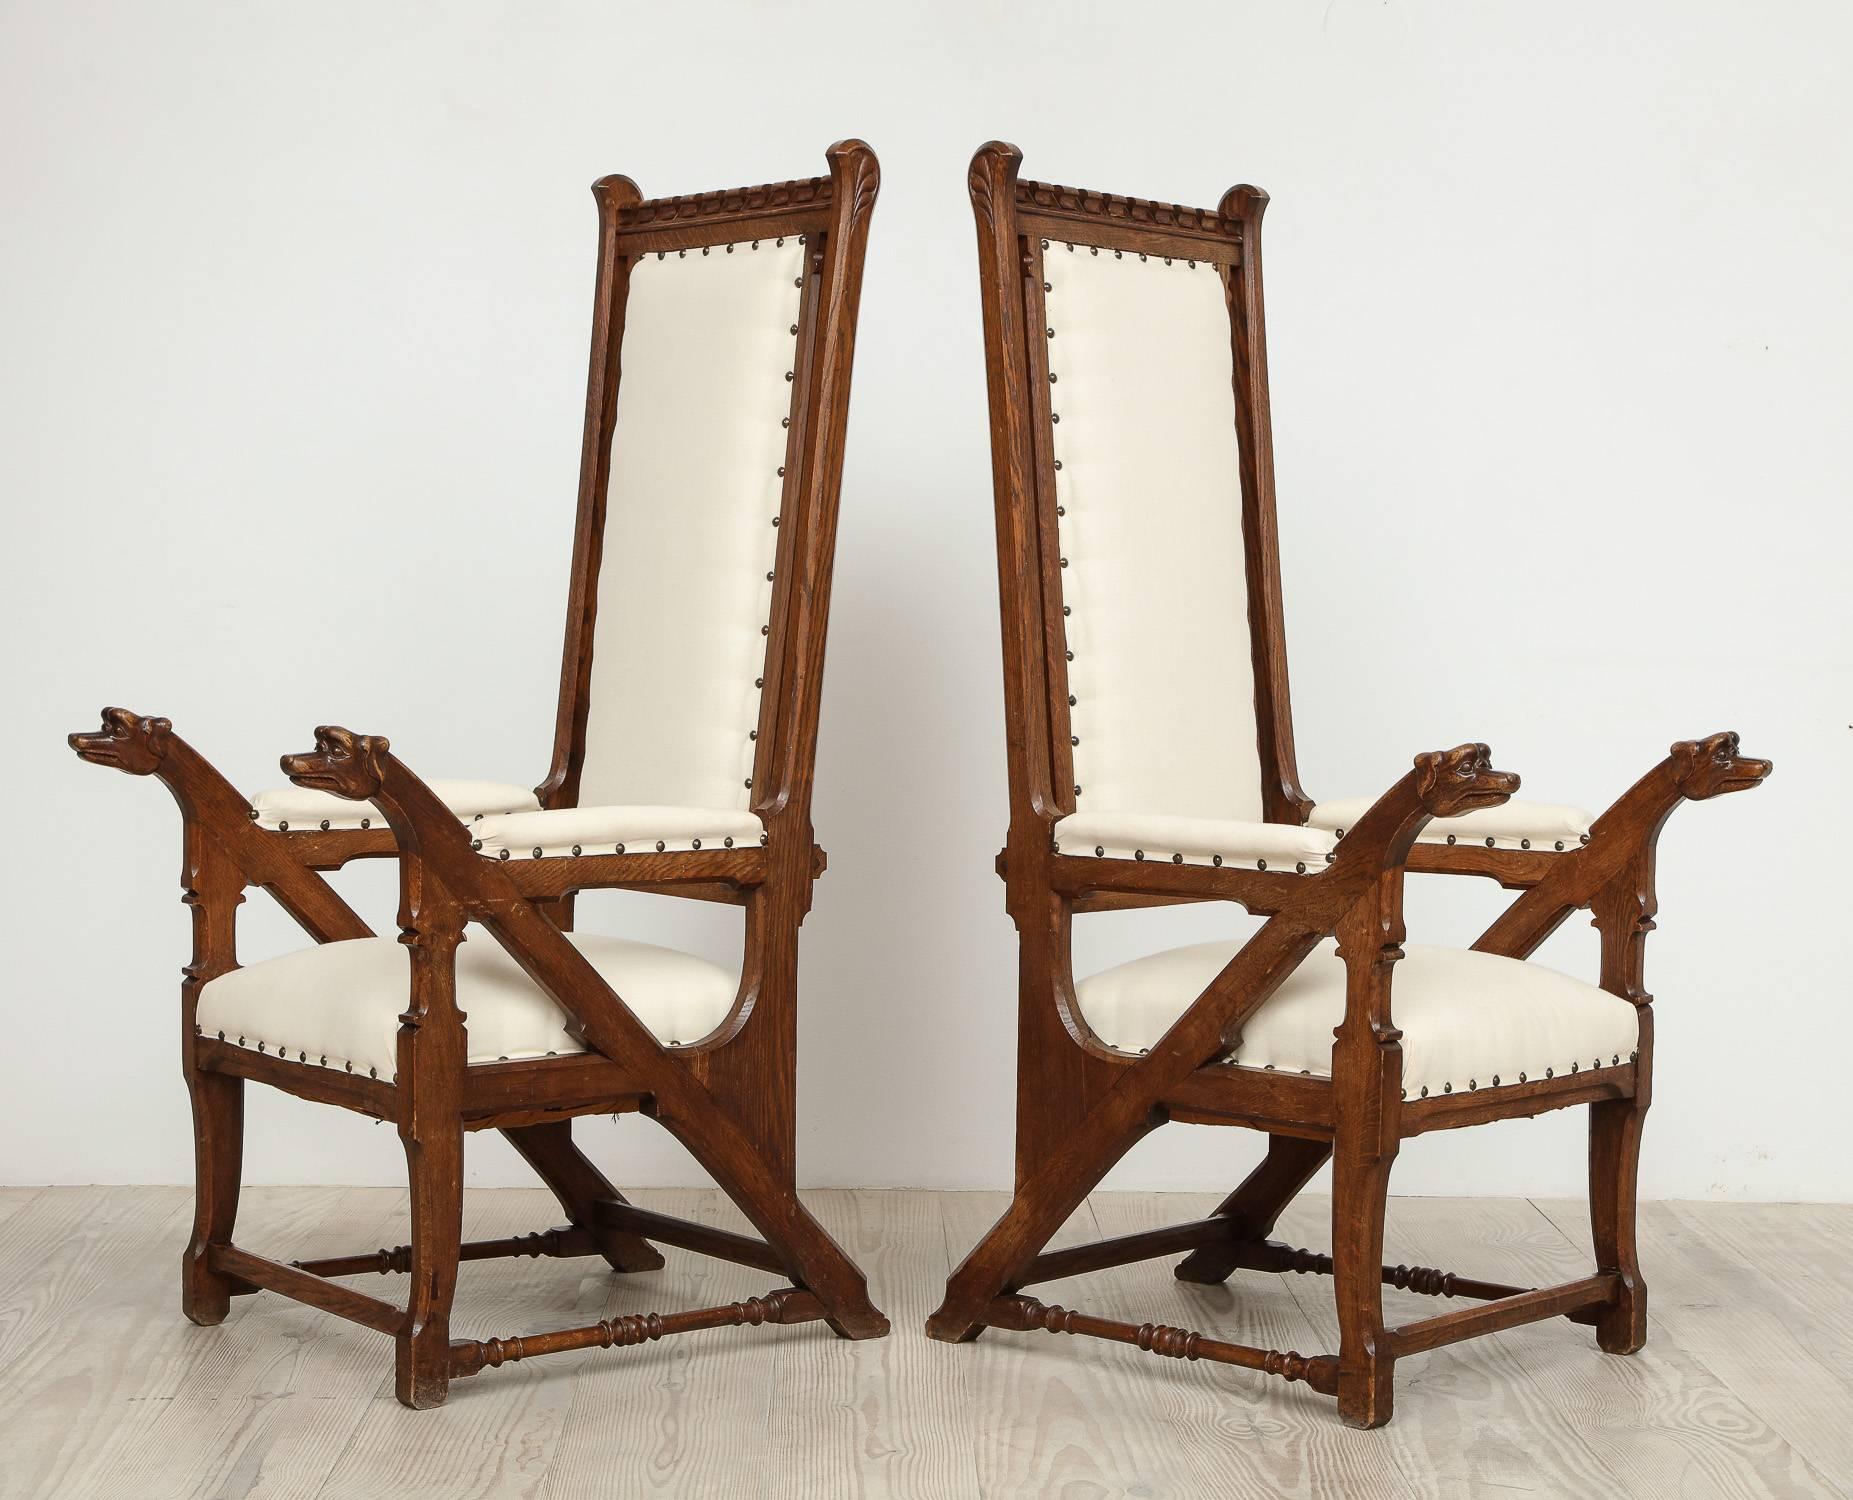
[(1151, 761)]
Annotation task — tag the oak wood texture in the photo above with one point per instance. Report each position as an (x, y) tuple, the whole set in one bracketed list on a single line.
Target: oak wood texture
[(730, 1098), (1742, 1391), (1081, 1105)]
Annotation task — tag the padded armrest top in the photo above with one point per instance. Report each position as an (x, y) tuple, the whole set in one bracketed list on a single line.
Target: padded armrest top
[(299, 808), (1196, 841), (615, 830), (1543, 826)]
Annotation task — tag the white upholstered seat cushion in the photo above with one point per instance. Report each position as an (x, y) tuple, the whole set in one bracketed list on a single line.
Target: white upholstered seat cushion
[(1196, 841), (615, 830), (337, 1005), (1469, 1020), (295, 807), (1545, 826)]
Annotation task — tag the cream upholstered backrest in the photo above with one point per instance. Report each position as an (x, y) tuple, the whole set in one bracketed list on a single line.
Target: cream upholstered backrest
[(1149, 519), (698, 452)]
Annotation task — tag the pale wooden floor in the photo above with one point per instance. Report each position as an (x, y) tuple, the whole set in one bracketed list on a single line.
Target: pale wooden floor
[(1746, 1386)]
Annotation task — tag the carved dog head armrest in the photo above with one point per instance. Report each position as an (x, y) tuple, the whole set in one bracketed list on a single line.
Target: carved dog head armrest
[(128, 741), (1451, 782), (342, 762), (1712, 767)]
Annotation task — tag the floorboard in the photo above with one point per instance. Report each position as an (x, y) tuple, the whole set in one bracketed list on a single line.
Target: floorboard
[(1744, 1388)]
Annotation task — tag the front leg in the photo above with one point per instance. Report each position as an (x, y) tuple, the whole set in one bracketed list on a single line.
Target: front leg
[(1623, 914), (433, 1048), (1367, 1070), (214, 889)]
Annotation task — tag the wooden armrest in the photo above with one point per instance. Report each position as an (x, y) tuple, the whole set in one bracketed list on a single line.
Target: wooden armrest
[(685, 872), (708, 874), (217, 821), (1515, 869), (1621, 847)]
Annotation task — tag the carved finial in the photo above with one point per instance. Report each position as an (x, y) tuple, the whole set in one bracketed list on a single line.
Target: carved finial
[(1244, 203), (1712, 767), (993, 176), (855, 175), (615, 190), (342, 762), (127, 741), (1451, 782)]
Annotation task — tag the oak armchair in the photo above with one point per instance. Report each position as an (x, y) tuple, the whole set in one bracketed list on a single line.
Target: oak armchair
[(723, 332), (1151, 761)]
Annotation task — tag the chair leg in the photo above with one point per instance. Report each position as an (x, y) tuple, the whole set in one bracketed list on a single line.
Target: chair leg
[(579, 1185), (218, 1165), (762, 1191), (1254, 1207), (1614, 1163), (1360, 1199), (434, 1160), (743, 1131)]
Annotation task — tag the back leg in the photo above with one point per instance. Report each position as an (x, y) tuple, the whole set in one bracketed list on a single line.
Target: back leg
[(1253, 1208), (580, 1186), (761, 1189)]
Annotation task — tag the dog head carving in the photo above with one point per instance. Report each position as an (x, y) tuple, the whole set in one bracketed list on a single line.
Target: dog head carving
[(1712, 766), (1451, 782), (342, 762), (127, 741)]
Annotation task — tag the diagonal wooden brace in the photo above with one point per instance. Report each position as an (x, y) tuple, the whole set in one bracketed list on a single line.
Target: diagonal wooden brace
[(1253, 1208), (1125, 1112), (1440, 784), (437, 848)]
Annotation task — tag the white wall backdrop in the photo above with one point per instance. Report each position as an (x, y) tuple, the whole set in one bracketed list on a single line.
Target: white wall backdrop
[(293, 317)]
